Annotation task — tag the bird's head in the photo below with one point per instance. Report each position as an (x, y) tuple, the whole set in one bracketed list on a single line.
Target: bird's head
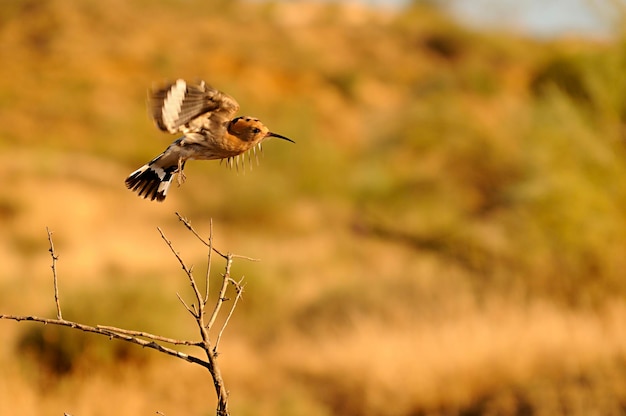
[(251, 131)]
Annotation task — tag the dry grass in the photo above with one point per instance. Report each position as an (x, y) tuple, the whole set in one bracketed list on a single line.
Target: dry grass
[(446, 238)]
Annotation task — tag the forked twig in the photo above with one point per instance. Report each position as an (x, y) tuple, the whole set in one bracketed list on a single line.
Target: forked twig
[(222, 295), (239, 289), (199, 315)]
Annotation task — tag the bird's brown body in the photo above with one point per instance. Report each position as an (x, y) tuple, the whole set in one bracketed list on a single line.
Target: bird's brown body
[(204, 116)]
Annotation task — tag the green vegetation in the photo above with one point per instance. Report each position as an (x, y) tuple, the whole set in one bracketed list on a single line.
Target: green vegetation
[(446, 237)]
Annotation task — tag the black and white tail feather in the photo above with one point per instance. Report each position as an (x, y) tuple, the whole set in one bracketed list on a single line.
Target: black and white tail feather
[(152, 181)]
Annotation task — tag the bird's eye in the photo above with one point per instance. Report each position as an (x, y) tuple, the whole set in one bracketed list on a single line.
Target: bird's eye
[(256, 130)]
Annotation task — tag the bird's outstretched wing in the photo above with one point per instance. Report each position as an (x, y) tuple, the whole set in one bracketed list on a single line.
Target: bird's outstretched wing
[(181, 107)]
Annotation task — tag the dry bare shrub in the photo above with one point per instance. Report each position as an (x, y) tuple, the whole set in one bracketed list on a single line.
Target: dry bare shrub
[(59, 354)]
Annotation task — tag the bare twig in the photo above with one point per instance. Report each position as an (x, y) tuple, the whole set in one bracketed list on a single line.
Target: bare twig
[(54, 274), (148, 335), (208, 266), (222, 294), (187, 224), (191, 311), (188, 271), (111, 333), (239, 289)]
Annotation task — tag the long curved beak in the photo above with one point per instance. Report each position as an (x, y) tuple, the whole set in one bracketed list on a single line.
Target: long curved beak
[(270, 134)]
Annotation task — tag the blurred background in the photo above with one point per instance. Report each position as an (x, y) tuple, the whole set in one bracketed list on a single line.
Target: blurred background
[(447, 237)]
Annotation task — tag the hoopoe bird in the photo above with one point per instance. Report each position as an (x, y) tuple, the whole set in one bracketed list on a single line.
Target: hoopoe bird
[(204, 116)]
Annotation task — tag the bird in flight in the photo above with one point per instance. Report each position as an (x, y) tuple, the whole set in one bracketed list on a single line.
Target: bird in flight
[(204, 117)]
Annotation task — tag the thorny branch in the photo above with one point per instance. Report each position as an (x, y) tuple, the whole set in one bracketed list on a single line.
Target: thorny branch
[(54, 274), (188, 271), (187, 224), (147, 335), (208, 262), (239, 289), (197, 310), (116, 333), (222, 295)]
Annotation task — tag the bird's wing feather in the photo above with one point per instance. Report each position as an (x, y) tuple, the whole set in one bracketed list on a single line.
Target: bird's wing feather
[(180, 107)]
